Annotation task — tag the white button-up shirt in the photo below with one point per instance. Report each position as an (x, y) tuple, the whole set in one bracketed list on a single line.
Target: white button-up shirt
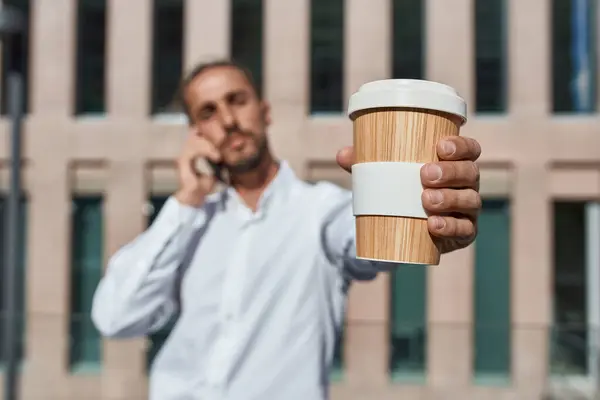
[(260, 295)]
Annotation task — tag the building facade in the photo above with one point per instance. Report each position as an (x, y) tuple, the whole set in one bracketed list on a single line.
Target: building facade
[(513, 316)]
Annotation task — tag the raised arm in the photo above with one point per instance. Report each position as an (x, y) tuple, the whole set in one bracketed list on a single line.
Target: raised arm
[(138, 293)]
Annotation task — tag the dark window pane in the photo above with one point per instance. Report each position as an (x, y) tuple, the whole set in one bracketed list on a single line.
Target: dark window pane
[(91, 53), (408, 322), (492, 292), (21, 274), (337, 365), (87, 255), (573, 56), (15, 57), (167, 55), (327, 56), (569, 342), (490, 57), (247, 36), (408, 26)]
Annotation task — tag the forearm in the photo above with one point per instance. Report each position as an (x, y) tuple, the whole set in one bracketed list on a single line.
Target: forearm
[(137, 293), (339, 240), (359, 268)]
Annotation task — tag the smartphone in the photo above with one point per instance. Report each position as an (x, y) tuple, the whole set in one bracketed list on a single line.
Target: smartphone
[(218, 170)]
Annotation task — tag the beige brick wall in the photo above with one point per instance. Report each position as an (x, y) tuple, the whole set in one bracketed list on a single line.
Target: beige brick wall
[(528, 155)]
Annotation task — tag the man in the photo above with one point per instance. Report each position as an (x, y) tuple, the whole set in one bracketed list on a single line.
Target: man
[(258, 272)]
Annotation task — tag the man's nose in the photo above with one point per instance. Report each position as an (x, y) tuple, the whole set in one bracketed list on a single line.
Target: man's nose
[(228, 119), (228, 124)]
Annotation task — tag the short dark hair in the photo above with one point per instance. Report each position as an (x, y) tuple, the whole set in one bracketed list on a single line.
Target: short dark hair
[(202, 67)]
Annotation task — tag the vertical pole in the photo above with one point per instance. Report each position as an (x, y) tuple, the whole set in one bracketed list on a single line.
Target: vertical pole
[(13, 238)]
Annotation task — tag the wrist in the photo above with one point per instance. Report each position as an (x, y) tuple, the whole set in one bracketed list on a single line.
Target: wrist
[(190, 198)]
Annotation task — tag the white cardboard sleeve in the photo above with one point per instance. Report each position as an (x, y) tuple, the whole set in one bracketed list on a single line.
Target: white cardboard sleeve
[(387, 188)]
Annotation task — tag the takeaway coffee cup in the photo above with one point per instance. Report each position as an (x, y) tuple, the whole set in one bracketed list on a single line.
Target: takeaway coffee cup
[(397, 124)]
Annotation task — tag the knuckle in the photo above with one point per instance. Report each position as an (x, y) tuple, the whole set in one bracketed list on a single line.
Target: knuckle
[(462, 144), (469, 170), (429, 203), (449, 199), (478, 203), (467, 229), (449, 171), (451, 227), (182, 159), (460, 200), (476, 171), (475, 147)]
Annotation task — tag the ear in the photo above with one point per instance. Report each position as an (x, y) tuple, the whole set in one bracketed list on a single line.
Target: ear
[(266, 111)]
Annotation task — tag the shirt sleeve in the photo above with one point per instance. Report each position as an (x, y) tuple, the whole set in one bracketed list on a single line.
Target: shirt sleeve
[(137, 294), (339, 238)]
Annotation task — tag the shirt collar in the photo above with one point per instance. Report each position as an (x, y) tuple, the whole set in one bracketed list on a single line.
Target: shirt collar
[(278, 189)]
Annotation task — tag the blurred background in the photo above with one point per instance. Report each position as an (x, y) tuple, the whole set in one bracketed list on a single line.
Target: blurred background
[(514, 316)]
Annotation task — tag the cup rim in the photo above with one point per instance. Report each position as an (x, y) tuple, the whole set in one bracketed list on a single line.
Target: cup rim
[(408, 93)]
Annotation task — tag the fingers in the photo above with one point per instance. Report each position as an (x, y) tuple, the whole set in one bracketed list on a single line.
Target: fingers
[(454, 148), (458, 148), (345, 158), (450, 174), (457, 229), (199, 147), (444, 201)]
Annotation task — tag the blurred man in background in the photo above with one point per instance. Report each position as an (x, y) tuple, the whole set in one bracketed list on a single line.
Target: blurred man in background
[(258, 272)]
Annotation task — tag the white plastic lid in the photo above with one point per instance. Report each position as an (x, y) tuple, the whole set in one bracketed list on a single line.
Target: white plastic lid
[(412, 93)]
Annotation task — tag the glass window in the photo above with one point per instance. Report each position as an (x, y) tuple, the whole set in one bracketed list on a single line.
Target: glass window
[(490, 56), (569, 342), (87, 260), (408, 24), (574, 56), (409, 323), (337, 367), (21, 273), (91, 53), (247, 36), (16, 57), (327, 56), (492, 293), (167, 55)]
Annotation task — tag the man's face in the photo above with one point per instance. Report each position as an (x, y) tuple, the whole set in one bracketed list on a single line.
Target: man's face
[(226, 110)]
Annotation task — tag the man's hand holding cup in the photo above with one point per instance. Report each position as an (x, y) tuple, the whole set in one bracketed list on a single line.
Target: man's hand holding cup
[(415, 181), (451, 191)]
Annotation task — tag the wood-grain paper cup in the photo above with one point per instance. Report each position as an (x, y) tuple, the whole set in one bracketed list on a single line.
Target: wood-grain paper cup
[(397, 124)]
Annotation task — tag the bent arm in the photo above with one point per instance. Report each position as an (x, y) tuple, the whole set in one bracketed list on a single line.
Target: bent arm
[(339, 238), (137, 295)]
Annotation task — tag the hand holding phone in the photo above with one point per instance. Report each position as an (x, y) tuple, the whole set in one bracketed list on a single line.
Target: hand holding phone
[(195, 182), (218, 170)]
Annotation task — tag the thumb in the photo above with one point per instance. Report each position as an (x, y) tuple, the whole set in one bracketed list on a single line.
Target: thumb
[(345, 158)]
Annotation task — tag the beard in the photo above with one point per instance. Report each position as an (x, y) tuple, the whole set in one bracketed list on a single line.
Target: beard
[(253, 161)]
